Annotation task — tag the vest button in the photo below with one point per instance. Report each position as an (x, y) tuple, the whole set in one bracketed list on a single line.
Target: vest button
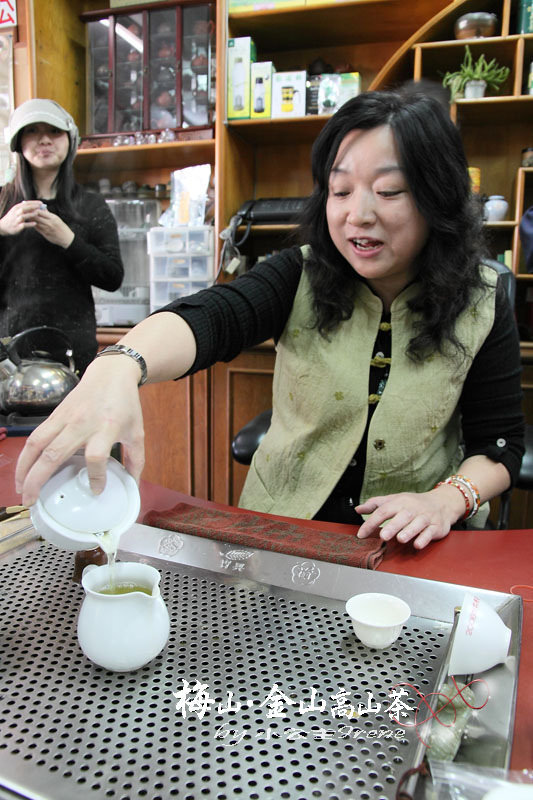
[(379, 444)]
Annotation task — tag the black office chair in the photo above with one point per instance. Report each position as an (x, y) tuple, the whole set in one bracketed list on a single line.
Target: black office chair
[(248, 438), (524, 481)]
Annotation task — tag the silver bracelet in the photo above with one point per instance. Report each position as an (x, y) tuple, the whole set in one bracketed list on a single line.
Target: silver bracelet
[(121, 349)]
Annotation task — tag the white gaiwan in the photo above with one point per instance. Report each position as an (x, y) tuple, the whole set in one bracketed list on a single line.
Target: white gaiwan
[(68, 514)]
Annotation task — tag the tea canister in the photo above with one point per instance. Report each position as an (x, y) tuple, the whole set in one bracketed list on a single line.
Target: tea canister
[(477, 24), (496, 208), (475, 179), (527, 157)]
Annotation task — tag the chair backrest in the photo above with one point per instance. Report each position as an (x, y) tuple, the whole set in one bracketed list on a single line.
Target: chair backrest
[(508, 277), (248, 438)]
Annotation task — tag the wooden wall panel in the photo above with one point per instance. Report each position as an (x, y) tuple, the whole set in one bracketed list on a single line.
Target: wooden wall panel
[(175, 429), (239, 391), (60, 68)]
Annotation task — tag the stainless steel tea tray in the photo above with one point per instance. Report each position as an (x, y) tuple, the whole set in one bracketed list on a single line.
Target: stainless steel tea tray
[(264, 632)]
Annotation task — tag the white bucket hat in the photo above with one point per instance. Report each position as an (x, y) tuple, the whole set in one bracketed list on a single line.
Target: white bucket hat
[(47, 111)]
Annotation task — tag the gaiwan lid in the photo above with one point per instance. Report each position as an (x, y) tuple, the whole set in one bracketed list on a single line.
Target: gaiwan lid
[(68, 514)]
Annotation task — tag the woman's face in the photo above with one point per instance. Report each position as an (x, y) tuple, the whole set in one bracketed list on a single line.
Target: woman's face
[(43, 146), (372, 217)]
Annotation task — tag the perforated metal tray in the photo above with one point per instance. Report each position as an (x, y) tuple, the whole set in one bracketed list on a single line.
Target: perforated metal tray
[(242, 623)]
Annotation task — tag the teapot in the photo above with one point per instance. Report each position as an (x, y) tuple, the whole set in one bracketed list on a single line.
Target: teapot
[(122, 632), (32, 381), (69, 515)]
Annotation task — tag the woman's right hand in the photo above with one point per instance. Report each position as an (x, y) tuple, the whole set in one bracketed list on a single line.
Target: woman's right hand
[(22, 215), (103, 409)]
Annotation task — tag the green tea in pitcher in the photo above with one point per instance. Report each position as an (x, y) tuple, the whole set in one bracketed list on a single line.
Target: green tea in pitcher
[(124, 588)]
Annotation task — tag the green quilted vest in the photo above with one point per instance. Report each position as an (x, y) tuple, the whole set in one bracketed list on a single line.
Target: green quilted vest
[(320, 406)]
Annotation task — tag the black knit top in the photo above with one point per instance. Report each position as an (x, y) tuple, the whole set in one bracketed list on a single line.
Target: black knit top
[(45, 284), (229, 318)]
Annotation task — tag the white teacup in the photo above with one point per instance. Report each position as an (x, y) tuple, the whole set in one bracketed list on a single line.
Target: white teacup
[(377, 618), (481, 638)]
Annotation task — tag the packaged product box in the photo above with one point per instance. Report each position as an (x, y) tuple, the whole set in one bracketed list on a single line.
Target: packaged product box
[(288, 94), (261, 5), (350, 86), (241, 55), (261, 89), (312, 85), (336, 89)]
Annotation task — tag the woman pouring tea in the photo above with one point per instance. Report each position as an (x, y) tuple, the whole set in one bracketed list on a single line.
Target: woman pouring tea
[(396, 389), (56, 238)]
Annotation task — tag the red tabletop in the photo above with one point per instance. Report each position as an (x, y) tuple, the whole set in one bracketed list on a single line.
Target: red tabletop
[(498, 560)]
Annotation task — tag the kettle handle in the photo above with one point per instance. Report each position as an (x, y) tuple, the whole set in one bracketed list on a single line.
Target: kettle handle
[(19, 337)]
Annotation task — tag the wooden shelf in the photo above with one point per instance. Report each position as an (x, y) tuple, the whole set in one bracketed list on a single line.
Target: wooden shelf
[(332, 23), (526, 352), (482, 42), (257, 230), (169, 155), (279, 131), (496, 110)]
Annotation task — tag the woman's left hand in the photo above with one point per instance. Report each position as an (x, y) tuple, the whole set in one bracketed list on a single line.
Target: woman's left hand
[(412, 517), (53, 228)]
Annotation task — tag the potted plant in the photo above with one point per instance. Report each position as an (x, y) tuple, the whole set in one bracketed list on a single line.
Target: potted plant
[(473, 77)]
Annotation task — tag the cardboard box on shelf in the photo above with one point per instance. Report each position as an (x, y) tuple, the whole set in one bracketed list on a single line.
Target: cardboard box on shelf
[(288, 94), (262, 5), (261, 89), (241, 54), (336, 89)]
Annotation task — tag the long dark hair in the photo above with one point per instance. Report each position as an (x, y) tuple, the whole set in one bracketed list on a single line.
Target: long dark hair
[(435, 166), (22, 186)]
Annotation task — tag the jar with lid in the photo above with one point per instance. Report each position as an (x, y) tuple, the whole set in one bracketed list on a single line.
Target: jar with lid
[(496, 208)]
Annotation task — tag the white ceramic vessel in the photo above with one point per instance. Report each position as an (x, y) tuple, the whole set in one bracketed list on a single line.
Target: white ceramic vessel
[(69, 515), (377, 618), (496, 208), (126, 631), (475, 89), (481, 638)]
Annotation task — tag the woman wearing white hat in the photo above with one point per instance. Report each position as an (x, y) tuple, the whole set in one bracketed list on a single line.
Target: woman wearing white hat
[(56, 238)]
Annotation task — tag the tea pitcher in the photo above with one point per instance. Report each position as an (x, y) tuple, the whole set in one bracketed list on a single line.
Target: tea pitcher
[(125, 630)]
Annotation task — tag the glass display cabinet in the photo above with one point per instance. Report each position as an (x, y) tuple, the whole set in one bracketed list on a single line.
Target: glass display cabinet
[(152, 69)]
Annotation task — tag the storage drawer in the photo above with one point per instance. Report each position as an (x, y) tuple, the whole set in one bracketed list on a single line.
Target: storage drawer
[(183, 239), (181, 266), (163, 292)]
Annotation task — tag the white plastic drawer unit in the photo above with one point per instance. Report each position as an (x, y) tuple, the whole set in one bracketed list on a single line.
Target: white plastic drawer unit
[(186, 266), (165, 291), (183, 239), (181, 262)]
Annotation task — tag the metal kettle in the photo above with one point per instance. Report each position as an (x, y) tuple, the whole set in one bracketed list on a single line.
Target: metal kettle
[(36, 371)]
